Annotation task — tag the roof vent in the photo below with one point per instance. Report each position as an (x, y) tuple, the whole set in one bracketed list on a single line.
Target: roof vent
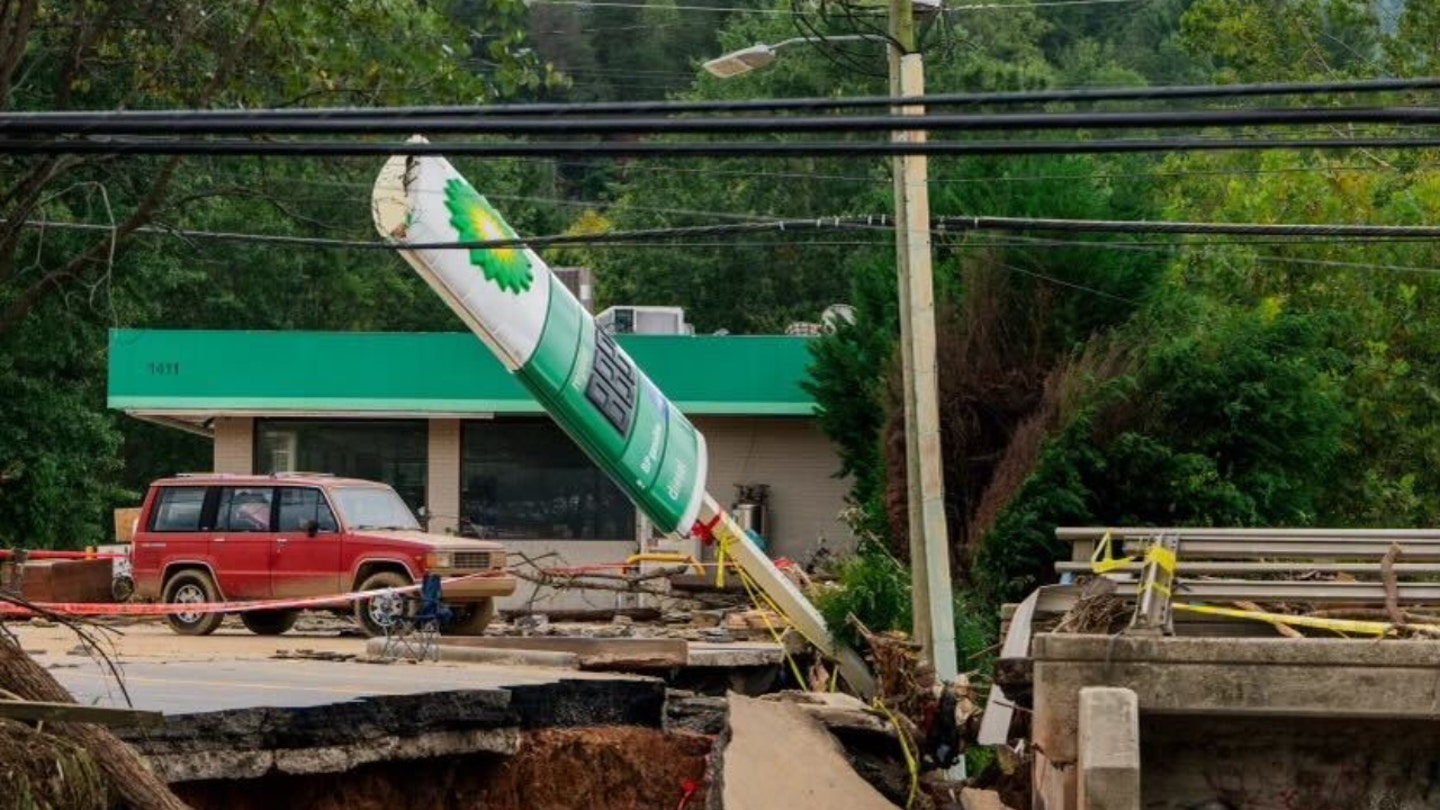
[(632, 320)]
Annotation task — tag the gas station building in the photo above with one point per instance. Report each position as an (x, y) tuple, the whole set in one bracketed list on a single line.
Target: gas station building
[(437, 417)]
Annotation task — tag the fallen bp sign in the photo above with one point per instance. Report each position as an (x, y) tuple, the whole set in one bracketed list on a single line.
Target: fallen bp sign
[(508, 296)]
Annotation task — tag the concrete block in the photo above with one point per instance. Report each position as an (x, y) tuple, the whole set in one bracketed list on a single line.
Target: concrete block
[(775, 756), (593, 653), (1109, 774), (1052, 784)]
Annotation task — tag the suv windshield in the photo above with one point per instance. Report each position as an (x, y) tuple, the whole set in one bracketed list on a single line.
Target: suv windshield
[(373, 508)]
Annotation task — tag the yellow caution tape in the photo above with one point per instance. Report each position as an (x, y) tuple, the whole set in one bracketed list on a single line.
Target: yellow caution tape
[(912, 761), (722, 545), (1103, 561), (1163, 557), (1342, 626)]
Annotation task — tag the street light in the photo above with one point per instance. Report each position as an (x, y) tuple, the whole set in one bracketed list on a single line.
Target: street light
[(760, 54), (931, 598)]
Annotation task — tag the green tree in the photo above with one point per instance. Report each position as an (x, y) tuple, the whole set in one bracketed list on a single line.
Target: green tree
[(60, 288)]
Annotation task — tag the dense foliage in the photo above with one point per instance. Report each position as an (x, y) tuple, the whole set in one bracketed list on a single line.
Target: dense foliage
[(63, 458), (1201, 382), (1082, 380)]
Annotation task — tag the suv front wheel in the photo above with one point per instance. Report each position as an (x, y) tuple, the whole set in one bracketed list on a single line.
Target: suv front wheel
[(187, 588), (370, 613)]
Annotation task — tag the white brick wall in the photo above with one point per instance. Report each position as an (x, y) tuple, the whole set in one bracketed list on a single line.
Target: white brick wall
[(234, 445), (798, 462), (791, 455), (442, 487)]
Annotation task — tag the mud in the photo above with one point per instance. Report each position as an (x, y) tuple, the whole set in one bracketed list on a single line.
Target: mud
[(602, 769), (610, 768)]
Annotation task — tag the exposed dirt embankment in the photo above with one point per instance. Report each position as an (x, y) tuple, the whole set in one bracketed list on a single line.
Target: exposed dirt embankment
[(610, 768), (602, 769)]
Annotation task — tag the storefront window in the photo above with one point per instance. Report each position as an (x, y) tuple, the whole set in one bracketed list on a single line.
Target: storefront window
[(525, 479), (392, 451)]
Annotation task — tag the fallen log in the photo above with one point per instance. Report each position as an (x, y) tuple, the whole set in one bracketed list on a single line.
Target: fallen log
[(127, 775)]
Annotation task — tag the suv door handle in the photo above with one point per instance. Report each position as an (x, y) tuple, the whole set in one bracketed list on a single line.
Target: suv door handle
[(218, 540), (282, 540)]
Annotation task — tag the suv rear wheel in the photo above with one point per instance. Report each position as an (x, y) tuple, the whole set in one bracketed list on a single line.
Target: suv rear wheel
[(269, 622), (369, 613), (192, 587), (470, 619)]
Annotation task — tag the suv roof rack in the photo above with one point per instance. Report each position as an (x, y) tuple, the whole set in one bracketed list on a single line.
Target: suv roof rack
[(301, 474)]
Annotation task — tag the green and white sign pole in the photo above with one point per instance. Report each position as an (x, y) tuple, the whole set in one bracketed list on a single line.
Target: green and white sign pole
[(585, 381)]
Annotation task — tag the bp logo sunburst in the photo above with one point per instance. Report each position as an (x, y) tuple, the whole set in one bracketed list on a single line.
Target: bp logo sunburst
[(476, 221)]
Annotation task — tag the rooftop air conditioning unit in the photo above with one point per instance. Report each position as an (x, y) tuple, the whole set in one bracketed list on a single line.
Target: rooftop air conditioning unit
[(578, 281), (644, 321)]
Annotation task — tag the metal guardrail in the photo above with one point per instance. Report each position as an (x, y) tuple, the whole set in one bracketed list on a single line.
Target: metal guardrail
[(1418, 545), (1242, 557)]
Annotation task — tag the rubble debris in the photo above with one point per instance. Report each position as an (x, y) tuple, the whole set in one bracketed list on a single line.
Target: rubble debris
[(315, 655), (1098, 609), (707, 618), (698, 714), (934, 718), (838, 712), (760, 619), (535, 623), (972, 799)]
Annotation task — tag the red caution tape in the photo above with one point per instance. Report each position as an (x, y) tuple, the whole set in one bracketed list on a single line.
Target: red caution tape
[(688, 788), (109, 609), (38, 554), (706, 531)]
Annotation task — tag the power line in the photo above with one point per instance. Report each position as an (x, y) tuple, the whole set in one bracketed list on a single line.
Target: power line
[(991, 179), (1025, 224), (788, 12), (303, 148), (118, 124), (1212, 248), (1008, 98), (941, 226), (876, 223), (644, 7)]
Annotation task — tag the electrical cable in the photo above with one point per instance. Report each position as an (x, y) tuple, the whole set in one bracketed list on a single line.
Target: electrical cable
[(305, 148), (1210, 247), (877, 223), (33, 124), (1024, 97), (775, 11), (940, 226), (1026, 224)]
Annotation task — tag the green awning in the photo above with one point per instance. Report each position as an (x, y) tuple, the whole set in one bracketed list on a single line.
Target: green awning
[(211, 373)]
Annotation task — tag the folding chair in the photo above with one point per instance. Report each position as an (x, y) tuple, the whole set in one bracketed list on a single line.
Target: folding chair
[(412, 627)]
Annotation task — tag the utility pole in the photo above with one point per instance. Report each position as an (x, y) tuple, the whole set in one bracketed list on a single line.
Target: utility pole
[(931, 596)]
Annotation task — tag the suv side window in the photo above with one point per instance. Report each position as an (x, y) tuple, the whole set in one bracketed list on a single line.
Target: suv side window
[(301, 504), (178, 509), (245, 509)]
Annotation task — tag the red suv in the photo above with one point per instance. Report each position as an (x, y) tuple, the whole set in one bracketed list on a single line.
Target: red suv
[(212, 538)]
